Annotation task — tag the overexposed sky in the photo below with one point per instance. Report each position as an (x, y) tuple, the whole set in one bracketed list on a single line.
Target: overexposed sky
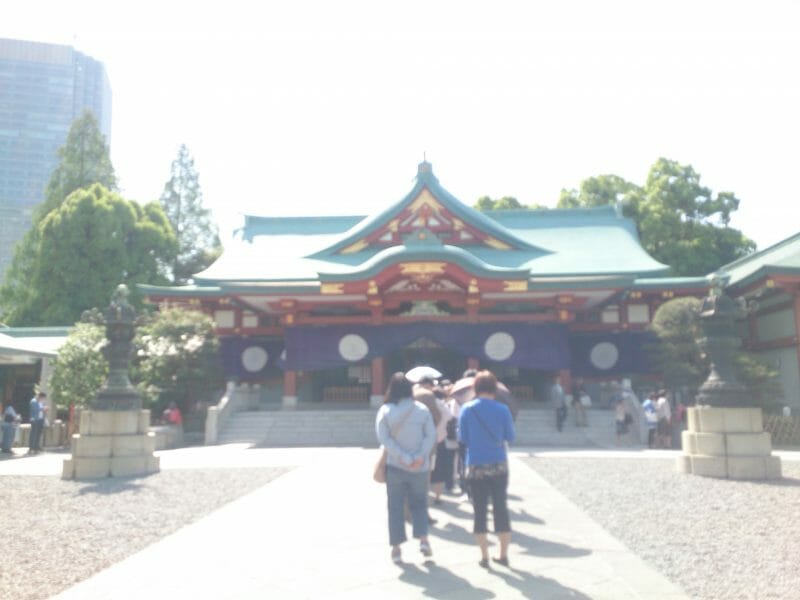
[(319, 107)]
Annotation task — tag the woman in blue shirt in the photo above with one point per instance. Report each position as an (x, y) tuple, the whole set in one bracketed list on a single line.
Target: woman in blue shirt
[(405, 429), (484, 427)]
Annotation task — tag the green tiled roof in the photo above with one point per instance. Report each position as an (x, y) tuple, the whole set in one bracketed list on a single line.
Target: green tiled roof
[(551, 243), (781, 258), (543, 244)]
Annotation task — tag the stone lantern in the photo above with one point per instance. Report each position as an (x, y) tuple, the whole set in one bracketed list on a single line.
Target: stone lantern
[(114, 437), (725, 435)]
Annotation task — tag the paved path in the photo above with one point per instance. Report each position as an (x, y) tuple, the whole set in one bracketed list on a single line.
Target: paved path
[(319, 531)]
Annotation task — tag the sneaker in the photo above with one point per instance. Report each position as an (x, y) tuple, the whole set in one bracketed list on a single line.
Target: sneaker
[(425, 548), (397, 558)]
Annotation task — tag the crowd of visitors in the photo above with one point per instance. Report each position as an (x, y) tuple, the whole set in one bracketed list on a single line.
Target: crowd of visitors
[(431, 438), (441, 437)]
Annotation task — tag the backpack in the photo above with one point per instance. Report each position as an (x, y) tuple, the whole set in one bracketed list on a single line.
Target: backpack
[(452, 429)]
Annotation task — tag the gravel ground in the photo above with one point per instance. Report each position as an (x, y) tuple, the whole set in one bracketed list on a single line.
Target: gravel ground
[(64, 531), (717, 539)]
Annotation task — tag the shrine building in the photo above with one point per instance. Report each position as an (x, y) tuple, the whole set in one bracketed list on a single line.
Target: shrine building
[(325, 309)]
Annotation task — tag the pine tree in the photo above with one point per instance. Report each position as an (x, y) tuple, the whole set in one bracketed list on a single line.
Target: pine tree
[(182, 201)]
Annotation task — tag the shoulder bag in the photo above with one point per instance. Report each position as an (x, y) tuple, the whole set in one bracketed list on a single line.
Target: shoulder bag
[(379, 473)]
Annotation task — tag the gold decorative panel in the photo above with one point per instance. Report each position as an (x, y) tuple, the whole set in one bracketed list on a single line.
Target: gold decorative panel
[(492, 242), (332, 288), (359, 245), (519, 285)]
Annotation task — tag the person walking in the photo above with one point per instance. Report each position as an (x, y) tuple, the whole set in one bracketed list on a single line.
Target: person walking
[(442, 474), (485, 427), (578, 393), (405, 429), (664, 436), (650, 418), (10, 420), (622, 421), (559, 403), (37, 409)]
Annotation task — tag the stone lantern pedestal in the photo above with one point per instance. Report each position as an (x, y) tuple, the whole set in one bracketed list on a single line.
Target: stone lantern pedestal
[(728, 442), (112, 443)]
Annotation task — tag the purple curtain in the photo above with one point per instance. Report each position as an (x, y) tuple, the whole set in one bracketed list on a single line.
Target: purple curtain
[(611, 354), (530, 346)]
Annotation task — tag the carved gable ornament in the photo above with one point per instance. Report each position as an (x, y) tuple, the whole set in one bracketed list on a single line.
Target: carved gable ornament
[(425, 212)]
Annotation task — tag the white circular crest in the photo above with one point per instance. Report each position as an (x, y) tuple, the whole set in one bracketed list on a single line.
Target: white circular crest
[(604, 355), (254, 358), (499, 346), (353, 347)]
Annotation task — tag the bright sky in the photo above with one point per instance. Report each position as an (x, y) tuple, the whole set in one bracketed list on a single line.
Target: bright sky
[(318, 107)]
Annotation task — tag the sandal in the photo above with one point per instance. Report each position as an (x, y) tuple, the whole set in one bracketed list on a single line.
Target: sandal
[(503, 560), (484, 562), (425, 548)]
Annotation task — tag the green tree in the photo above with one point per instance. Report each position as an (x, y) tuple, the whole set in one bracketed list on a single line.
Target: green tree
[(80, 369), (677, 353), (684, 366), (598, 191), (94, 241), (178, 360), (681, 222), (182, 200), (486, 204), (83, 160)]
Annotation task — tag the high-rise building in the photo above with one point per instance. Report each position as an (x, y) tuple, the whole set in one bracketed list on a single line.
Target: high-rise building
[(43, 88)]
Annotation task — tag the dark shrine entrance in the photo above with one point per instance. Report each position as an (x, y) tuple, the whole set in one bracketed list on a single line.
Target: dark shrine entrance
[(426, 352)]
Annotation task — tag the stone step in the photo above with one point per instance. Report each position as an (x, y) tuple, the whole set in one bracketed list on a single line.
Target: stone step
[(534, 427)]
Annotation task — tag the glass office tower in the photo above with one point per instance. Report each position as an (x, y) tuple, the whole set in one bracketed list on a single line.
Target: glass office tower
[(43, 88)]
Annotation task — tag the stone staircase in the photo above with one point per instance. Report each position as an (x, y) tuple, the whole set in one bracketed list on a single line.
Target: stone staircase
[(356, 427)]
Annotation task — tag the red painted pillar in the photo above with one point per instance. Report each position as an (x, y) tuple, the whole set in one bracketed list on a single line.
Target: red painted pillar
[(377, 376), (289, 389)]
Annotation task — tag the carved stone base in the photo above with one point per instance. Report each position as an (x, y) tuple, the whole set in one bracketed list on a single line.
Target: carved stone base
[(728, 443), (112, 443)]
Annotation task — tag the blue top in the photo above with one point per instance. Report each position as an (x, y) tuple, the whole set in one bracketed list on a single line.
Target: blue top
[(478, 418), (413, 439), (36, 412)]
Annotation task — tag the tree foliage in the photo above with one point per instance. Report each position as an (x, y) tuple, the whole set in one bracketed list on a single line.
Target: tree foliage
[(677, 354), (178, 359), (83, 161), (681, 223), (182, 200), (486, 204), (94, 241), (80, 369)]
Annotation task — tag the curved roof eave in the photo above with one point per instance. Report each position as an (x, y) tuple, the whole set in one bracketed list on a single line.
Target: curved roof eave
[(447, 253)]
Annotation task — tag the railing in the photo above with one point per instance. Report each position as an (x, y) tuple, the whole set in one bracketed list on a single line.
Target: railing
[(235, 399), (345, 393), (785, 430)]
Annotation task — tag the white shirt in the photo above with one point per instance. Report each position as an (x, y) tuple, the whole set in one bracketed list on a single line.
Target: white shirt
[(663, 408)]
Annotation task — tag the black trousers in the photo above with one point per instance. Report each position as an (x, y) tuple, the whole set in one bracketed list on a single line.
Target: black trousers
[(494, 488)]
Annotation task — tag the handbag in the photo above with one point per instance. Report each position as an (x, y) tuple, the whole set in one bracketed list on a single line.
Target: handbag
[(379, 472), (379, 475)]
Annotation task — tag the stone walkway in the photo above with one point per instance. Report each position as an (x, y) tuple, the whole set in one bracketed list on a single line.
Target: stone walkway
[(319, 531)]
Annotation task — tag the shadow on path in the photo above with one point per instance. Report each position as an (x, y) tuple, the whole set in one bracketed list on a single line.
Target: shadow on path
[(437, 582), (532, 586)]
